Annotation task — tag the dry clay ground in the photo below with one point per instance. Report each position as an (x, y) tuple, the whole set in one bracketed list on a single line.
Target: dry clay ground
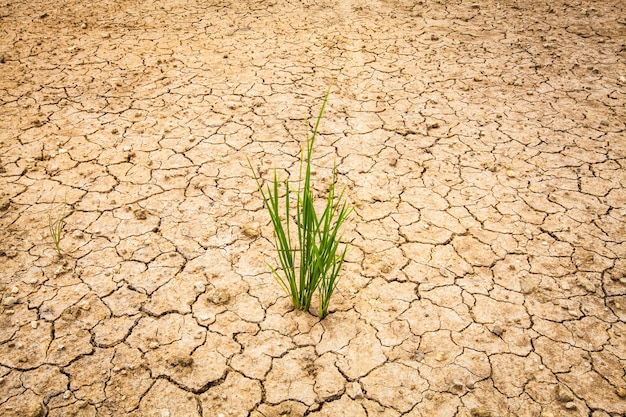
[(482, 145)]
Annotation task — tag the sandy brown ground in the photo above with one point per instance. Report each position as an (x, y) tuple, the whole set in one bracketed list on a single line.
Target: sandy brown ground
[(483, 146)]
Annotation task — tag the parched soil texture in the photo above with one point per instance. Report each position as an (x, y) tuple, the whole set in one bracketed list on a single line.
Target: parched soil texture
[(482, 145)]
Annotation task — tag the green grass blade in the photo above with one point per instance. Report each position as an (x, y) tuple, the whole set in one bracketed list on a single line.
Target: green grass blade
[(315, 253), (56, 225)]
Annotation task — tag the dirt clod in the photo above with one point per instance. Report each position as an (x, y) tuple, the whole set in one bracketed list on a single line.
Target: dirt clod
[(481, 412), (140, 214), (564, 394)]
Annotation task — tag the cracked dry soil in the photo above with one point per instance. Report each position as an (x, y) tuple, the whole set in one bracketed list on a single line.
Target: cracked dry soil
[(482, 144)]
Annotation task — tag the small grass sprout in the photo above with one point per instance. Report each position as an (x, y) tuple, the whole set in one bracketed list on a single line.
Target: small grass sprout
[(56, 222), (313, 259)]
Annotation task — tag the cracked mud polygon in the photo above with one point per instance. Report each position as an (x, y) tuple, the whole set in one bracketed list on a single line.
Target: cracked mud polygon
[(482, 144)]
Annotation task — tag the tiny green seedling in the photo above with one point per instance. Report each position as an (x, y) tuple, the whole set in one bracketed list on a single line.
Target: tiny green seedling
[(313, 261), (56, 222)]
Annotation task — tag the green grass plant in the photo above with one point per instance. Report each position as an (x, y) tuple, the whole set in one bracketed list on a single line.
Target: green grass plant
[(56, 223), (312, 259)]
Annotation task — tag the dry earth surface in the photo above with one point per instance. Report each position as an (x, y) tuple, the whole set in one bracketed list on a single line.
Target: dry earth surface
[(482, 145)]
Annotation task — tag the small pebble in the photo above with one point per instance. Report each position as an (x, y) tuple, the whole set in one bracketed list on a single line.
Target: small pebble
[(497, 330), (83, 26), (354, 390), (564, 395), (34, 324), (67, 394), (153, 345), (586, 284), (570, 405), (9, 301), (140, 214), (252, 229), (457, 387), (199, 287), (78, 234), (218, 296), (82, 404)]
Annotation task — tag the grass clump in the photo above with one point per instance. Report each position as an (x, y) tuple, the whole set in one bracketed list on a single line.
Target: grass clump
[(312, 260), (56, 223)]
